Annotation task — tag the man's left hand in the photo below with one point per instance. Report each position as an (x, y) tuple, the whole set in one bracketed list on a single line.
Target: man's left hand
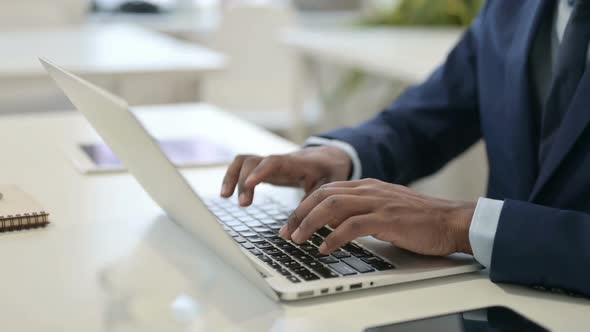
[(389, 212)]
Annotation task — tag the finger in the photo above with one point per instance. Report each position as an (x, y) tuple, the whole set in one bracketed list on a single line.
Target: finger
[(351, 229), (348, 184), (231, 176), (331, 211), (246, 195), (268, 167), (307, 205)]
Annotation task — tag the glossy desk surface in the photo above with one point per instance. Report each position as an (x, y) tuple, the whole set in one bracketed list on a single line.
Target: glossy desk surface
[(111, 261)]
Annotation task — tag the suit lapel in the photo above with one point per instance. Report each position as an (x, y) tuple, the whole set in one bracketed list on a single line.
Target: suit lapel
[(520, 127), (575, 121)]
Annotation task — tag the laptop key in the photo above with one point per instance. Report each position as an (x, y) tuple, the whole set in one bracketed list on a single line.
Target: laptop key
[(372, 260), (258, 215), (285, 246), (274, 265), (315, 239), (361, 253), (281, 257), (357, 264), (265, 258), (278, 242), (294, 252), (351, 247), (293, 279), (248, 234), (309, 276), (324, 232), (303, 258), (272, 251), (274, 226), (284, 272), (340, 254), (313, 264), (256, 252), (247, 220), (325, 272), (343, 269), (256, 239), (248, 245), (260, 229), (263, 245), (268, 235), (241, 228), (239, 239), (329, 260), (383, 266), (307, 247), (267, 221), (233, 223), (232, 234), (316, 253), (253, 223), (291, 264)]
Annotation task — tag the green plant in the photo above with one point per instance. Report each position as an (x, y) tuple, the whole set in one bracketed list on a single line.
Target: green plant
[(429, 12)]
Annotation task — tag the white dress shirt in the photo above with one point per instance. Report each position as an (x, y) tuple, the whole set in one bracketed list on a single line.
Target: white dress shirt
[(487, 212)]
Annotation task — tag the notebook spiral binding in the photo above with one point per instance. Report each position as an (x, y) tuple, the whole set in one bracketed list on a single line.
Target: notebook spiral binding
[(26, 221)]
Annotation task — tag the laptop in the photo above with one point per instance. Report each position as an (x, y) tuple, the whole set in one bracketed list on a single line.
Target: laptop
[(247, 238)]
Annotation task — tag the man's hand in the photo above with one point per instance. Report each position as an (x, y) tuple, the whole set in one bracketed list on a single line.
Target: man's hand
[(308, 168), (389, 212)]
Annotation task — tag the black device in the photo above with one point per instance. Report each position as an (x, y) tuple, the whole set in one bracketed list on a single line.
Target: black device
[(139, 7), (491, 319)]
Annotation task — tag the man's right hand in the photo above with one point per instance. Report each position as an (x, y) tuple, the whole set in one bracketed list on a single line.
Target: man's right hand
[(308, 168)]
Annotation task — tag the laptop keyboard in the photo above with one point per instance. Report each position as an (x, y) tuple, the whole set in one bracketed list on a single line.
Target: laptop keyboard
[(256, 228)]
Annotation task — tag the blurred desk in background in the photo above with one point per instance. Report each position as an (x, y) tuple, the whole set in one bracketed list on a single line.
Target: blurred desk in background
[(140, 65), (408, 54), (111, 261)]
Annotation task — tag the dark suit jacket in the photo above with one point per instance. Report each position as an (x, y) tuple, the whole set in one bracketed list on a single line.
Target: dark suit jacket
[(484, 90)]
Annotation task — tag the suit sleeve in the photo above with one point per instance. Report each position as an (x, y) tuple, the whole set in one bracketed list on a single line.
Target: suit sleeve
[(543, 247), (429, 125)]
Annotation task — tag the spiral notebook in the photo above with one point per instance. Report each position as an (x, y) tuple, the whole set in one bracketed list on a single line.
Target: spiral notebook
[(18, 210)]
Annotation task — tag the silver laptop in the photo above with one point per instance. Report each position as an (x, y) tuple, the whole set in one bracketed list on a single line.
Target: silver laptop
[(246, 238)]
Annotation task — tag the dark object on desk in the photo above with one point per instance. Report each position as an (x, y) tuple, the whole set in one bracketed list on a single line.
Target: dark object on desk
[(492, 319), (139, 7)]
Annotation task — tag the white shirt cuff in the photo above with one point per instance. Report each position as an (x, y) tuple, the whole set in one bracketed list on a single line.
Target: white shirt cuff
[(482, 231), (347, 148)]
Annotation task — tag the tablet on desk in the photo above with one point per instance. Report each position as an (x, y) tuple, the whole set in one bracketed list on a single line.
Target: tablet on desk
[(492, 319), (193, 152)]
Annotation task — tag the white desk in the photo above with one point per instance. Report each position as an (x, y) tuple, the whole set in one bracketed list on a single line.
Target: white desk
[(123, 58), (111, 262), (408, 54)]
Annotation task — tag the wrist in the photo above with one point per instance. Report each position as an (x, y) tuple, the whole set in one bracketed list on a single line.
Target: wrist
[(460, 221), (338, 162)]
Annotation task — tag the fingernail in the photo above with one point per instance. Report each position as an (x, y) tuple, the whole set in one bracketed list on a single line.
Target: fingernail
[(224, 190), (323, 248), (296, 236), (242, 198)]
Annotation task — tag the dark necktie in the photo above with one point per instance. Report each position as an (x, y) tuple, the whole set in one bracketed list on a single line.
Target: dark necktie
[(570, 66)]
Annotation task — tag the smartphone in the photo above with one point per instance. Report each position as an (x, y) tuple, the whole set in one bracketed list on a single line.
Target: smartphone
[(496, 319), (190, 152)]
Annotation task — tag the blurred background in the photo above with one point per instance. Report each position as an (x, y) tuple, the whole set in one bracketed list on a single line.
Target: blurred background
[(295, 67)]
